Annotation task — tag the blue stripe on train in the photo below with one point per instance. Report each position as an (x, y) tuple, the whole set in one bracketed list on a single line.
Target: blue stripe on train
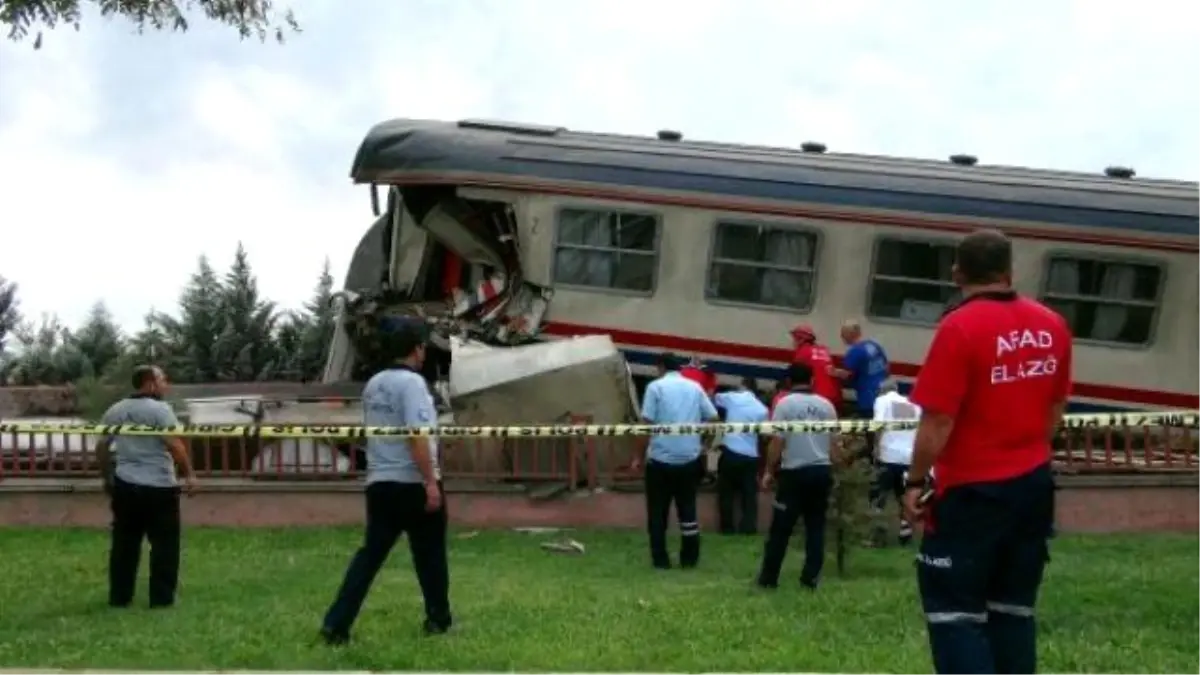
[(773, 373)]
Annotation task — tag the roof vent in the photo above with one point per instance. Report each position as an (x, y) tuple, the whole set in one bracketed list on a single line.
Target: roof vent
[(1119, 172), (813, 146), (670, 135), (510, 127), (964, 160)]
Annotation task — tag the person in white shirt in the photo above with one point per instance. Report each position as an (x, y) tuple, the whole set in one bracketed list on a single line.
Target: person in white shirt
[(894, 454)]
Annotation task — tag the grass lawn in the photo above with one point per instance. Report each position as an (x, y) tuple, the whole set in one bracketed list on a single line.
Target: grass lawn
[(253, 599)]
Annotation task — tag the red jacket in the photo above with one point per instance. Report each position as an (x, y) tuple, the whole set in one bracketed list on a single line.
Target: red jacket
[(817, 357), (703, 378)]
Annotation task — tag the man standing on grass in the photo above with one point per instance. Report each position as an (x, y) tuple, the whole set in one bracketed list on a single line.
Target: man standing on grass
[(805, 479), (737, 467), (404, 488), (672, 469), (894, 450), (143, 490), (992, 393)]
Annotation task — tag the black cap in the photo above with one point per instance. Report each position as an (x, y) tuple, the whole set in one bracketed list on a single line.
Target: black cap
[(404, 333)]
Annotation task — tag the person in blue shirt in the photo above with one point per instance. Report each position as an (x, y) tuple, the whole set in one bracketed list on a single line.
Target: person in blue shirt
[(672, 461), (404, 487), (737, 467), (865, 367)]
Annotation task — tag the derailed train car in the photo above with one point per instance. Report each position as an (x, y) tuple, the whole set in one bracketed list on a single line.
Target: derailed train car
[(510, 233)]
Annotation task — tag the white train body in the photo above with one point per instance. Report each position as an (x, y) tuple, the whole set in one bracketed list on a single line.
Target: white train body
[(718, 250)]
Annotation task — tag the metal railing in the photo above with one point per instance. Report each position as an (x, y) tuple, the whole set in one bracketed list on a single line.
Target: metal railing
[(578, 461)]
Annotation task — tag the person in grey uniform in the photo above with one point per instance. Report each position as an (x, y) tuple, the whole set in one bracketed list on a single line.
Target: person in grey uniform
[(805, 480), (143, 491), (404, 488)]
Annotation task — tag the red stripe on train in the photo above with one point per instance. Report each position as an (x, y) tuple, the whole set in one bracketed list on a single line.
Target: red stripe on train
[(1165, 399)]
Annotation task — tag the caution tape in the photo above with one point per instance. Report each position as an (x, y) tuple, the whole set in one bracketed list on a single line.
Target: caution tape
[(1170, 418)]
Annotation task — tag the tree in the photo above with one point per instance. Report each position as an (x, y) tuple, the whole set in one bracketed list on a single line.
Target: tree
[(10, 316), (99, 339), (250, 18), (289, 337), (318, 330), (245, 350), (151, 345), (192, 356), (41, 358)]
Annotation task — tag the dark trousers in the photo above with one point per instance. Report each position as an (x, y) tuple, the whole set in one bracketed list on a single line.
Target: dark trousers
[(394, 509), (889, 480), (737, 489), (141, 512), (801, 494), (979, 571), (677, 484), (867, 453)]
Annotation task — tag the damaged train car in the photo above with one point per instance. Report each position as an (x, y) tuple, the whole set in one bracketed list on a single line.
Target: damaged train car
[(507, 234)]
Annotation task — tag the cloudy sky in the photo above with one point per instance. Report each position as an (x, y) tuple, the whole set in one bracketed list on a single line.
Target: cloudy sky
[(124, 157)]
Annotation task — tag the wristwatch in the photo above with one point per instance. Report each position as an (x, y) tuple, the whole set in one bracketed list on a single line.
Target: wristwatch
[(914, 483)]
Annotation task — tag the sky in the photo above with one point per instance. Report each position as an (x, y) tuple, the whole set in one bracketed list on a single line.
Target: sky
[(123, 157)]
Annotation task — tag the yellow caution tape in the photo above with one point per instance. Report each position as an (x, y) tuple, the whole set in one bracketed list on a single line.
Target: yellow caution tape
[(1170, 418)]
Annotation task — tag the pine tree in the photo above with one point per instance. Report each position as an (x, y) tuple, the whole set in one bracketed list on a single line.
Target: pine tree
[(318, 330), (99, 339), (10, 315), (289, 336), (10, 318), (193, 336), (245, 350)]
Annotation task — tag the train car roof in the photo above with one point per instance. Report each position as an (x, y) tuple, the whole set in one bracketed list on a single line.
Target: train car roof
[(406, 151)]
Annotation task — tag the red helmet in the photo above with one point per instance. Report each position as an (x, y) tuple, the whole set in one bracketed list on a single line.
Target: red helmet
[(804, 333)]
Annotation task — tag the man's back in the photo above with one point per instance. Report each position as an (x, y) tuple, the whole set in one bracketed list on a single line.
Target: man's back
[(741, 406), (674, 399), (817, 357), (397, 397), (142, 460), (868, 366), (896, 447), (805, 449), (998, 366)]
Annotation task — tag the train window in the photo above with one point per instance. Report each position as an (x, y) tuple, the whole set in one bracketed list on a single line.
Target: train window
[(606, 249), (1104, 300), (910, 280), (763, 265)]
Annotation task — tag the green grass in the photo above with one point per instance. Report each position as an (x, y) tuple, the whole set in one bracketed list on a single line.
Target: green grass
[(253, 599)]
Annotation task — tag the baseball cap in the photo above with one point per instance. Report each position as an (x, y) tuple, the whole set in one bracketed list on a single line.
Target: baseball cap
[(804, 332)]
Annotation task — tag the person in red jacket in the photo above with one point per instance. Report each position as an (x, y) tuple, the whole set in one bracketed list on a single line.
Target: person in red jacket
[(992, 393), (816, 356), (697, 372)]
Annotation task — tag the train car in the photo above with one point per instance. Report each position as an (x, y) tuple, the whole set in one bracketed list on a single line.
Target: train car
[(513, 232)]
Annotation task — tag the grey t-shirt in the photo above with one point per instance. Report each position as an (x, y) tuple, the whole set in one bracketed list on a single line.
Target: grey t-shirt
[(397, 397), (805, 449), (142, 460)]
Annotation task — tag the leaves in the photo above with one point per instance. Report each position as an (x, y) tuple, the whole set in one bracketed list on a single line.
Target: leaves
[(10, 315), (223, 330), (250, 18)]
